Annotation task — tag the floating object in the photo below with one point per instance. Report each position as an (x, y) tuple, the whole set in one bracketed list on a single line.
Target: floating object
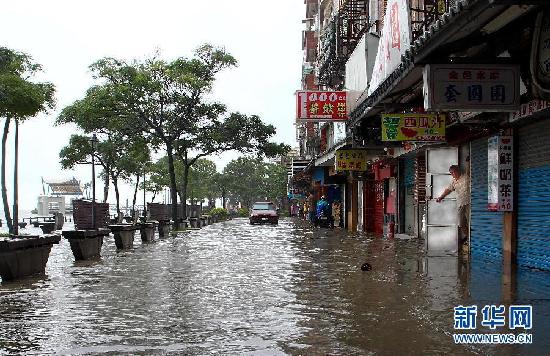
[(366, 266)]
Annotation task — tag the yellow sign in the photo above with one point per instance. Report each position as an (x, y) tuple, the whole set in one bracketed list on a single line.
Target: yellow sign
[(413, 127), (351, 160)]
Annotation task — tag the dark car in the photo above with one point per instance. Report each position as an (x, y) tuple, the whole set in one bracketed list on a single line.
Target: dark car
[(264, 212)]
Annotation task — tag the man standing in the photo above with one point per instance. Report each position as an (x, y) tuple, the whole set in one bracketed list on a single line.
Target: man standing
[(311, 207), (461, 185)]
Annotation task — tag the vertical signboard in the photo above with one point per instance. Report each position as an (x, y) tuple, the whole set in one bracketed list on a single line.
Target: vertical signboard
[(500, 173), (395, 40), (492, 174)]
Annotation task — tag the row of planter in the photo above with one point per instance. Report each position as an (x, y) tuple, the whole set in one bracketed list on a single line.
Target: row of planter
[(24, 256)]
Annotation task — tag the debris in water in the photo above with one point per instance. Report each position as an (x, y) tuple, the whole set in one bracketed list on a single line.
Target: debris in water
[(366, 266)]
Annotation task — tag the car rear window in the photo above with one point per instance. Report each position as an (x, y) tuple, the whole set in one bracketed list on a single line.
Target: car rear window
[(263, 206)]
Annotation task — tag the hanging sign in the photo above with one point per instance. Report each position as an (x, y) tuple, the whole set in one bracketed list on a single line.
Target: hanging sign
[(351, 160), (500, 161), (413, 127), (471, 87), (321, 106)]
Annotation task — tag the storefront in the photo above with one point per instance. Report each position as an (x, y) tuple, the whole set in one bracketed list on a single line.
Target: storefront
[(533, 200)]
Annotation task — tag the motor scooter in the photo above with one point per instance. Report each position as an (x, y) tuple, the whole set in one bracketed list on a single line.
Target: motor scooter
[(324, 220)]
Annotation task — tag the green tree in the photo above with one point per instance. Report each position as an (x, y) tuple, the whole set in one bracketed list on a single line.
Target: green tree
[(120, 158), (169, 103), (201, 181), (247, 179), (276, 182), (20, 98)]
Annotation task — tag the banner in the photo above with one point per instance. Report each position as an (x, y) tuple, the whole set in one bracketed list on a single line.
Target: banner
[(351, 160), (413, 127), (394, 42), (321, 106)]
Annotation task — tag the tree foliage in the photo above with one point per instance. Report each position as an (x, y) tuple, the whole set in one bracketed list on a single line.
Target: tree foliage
[(20, 98), (252, 179)]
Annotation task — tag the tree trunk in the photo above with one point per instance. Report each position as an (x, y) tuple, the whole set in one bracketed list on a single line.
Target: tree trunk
[(117, 195), (106, 185), (173, 188), (3, 177), (15, 182), (223, 198), (184, 188), (135, 195), (154, 196)]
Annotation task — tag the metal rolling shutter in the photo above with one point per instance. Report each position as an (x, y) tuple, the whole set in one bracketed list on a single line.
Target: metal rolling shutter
[(485, 226), (533, 248)]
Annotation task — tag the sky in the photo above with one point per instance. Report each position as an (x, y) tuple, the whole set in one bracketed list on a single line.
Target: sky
[(65, 37)]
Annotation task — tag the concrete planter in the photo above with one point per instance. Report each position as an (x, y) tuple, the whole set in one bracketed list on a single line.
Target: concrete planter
[(147, 231), (124, 235), (86, 244), (25, 256), (47, 227)]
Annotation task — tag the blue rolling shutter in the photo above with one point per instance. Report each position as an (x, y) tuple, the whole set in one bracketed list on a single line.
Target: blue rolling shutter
[(533, 248), (485, 226)]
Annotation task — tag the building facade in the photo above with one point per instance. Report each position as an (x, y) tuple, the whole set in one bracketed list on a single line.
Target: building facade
[(430, 84)]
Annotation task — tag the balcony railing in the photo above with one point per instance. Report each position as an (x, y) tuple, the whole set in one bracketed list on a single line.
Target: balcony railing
[(426, 12)]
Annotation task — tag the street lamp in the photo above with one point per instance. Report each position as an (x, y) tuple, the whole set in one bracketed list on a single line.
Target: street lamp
[(94, 144)]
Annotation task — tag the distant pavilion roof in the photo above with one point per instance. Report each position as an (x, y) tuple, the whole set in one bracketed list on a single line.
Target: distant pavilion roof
[(63, 186)]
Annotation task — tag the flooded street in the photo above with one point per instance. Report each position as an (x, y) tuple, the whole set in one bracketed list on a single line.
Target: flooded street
[(232, 288)]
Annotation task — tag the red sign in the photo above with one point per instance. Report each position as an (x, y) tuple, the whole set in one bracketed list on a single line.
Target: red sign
[(321, 106)]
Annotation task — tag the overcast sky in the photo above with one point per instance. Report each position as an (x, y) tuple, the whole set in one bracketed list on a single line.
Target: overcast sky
[(67, 36)]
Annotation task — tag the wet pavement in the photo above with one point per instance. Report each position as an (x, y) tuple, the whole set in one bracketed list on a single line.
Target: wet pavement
[(232, 288)]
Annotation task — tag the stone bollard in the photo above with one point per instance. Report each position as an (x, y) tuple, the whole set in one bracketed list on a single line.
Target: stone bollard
[(164, 228), (86, 244), (147, 231), (25, 256), (124, 235)]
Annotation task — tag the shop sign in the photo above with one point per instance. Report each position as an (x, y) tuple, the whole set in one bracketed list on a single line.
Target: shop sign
[(529, 109), (351, 160), (471, 87), (413, 127), (321, 106), (500, 161), (394, 42)]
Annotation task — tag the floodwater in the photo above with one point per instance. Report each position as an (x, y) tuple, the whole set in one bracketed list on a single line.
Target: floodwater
[(232, 288)]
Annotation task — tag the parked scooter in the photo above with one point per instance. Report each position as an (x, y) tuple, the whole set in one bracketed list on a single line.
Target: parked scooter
[(323, 220)]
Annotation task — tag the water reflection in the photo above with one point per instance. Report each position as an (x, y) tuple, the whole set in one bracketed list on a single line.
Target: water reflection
[(232, 288)]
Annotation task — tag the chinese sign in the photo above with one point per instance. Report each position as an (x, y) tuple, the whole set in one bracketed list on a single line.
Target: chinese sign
[(413, 127), (351, 160), (500, 160), (395, 40), (471, 87), (528, 109), (321, 106), (519, 317)]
